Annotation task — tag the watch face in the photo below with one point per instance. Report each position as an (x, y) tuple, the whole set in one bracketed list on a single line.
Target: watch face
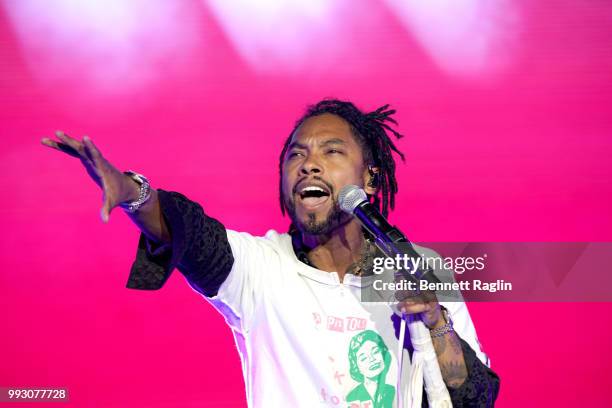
[(136, 177), (139, 178)]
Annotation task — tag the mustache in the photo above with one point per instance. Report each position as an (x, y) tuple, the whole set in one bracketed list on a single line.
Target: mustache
[(317, 178)]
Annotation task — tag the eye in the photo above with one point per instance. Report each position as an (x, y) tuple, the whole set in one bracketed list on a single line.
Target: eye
[(294, 154), (334, 151)]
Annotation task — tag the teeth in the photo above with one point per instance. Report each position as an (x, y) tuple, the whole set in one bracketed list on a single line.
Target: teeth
[(312, 188)]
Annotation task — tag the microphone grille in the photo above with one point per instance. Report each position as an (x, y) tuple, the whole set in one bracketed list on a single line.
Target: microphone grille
[(350, 197)]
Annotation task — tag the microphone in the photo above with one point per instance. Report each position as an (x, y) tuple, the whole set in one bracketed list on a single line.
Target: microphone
[(353, 200)]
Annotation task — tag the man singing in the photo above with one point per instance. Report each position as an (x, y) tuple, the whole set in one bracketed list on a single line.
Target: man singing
[(292, 300)]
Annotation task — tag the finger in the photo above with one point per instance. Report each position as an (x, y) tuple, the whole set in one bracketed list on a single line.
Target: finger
[(429, 296), (63, 135), (70, 141), (48, 142), (417, 304), (60, 147), (91, 149), (402, 295), (412, 308), (106, 210), (107, 207), (104, 215)]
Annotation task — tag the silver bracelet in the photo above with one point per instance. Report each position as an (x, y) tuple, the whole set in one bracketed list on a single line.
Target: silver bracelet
[(447, 328), (143, 196)]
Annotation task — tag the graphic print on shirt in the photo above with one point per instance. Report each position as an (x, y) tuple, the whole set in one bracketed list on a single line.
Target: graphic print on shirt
[(369, 361)]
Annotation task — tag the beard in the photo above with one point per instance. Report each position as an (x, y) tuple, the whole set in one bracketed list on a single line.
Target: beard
[(335, 217)]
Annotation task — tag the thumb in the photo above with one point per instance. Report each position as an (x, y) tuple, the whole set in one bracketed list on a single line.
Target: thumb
[(106, 209), (104, 214)]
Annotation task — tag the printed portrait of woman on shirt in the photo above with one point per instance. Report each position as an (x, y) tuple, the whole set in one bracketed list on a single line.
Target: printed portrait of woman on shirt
[(369, 361)]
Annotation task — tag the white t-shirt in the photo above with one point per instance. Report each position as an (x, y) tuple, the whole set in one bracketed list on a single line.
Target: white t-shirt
[(305, 339)]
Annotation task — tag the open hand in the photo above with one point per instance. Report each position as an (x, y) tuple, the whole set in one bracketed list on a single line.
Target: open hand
[(116, 186)]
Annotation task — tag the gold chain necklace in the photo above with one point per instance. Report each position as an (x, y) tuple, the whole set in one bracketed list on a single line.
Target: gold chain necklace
[(364, 266)]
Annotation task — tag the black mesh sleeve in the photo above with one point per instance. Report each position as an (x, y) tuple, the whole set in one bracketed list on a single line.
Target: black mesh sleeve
[(480, 388), (199, 249)]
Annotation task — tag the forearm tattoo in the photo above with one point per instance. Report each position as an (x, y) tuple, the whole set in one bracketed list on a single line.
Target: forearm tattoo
[(450, 357), (454, 373), (439, 345)]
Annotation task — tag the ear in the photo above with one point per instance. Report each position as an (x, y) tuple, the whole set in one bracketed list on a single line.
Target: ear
[(372, 179)]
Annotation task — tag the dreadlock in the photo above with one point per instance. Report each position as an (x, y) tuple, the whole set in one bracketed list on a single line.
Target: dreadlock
[(371, 132)]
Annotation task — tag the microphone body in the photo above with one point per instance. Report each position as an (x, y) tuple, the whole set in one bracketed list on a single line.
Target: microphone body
[(354, 201), (378, 226)]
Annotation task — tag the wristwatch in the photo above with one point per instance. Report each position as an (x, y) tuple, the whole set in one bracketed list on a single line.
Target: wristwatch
[(442, 330), (143, 196)]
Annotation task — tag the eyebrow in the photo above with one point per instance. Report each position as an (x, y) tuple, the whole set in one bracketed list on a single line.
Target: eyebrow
[(296, 145), (334, 141)]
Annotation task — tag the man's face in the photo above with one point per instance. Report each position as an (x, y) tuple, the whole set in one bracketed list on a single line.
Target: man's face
[(323, 156)]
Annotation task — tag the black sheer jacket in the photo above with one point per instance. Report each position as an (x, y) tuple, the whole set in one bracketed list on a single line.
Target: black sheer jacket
[(201, 252)]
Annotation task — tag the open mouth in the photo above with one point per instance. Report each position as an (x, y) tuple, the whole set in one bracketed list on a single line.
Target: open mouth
[(313, 196)]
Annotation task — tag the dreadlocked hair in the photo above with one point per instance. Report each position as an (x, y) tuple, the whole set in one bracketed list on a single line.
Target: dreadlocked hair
[(371, 131)]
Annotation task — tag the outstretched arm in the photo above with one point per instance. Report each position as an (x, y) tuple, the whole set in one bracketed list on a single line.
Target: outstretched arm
[(175, 231)]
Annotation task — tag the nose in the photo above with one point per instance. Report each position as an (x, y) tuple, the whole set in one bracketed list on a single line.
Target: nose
[(310, 166)]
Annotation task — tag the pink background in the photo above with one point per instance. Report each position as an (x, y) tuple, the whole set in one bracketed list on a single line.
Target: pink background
[(506, 108)]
